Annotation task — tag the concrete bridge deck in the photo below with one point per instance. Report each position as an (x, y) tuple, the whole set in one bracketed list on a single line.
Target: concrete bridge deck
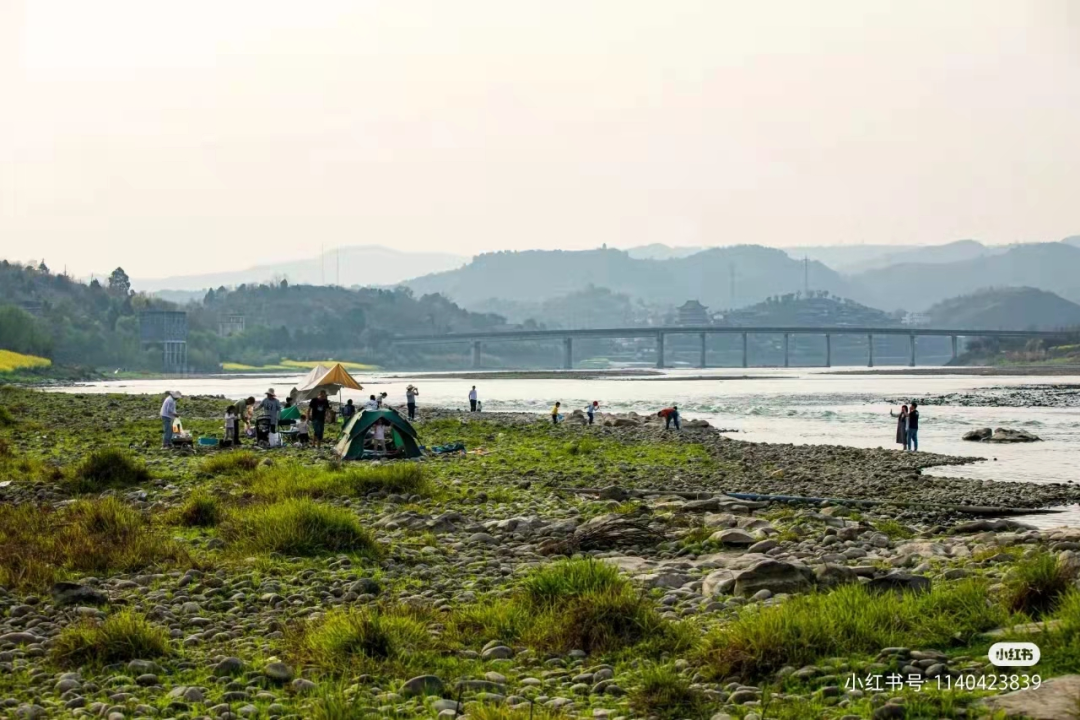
[(660, 333)]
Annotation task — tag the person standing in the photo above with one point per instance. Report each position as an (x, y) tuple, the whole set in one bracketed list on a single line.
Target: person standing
[(270, 407), (232, 426), (371, 404), (410, 399), (913, 427), (555, 413), (379, 436), (901, 425), (590, 410), (168, 416), (347, 412), (472, 399), (317, 409)]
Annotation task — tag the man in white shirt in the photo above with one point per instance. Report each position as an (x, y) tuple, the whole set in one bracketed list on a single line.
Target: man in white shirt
[(472, 399), (371, 404), (168, 415)]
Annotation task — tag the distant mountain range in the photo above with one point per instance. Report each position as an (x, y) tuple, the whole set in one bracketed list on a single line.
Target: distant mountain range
[(719, 277), (348, 266), (1005, 308)]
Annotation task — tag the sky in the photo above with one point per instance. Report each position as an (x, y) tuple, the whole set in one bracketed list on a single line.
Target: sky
[(206, 135)]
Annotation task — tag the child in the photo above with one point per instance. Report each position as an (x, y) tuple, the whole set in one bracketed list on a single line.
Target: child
[(555, 413), (232, 426), (302, 436), (379, 435)]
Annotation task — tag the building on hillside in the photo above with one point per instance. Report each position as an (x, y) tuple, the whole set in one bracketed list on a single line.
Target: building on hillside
[(231, 324), (167, 329), (692, 312)]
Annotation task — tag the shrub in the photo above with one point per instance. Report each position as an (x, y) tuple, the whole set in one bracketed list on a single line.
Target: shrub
[(299, 527), (200, 510), (1035, 585), (849, 620), (108, 468), (124, 636), (236, 462), (602, 621), (6, 418), (665, 693), (360, 637), (38, 545), (571, 578)]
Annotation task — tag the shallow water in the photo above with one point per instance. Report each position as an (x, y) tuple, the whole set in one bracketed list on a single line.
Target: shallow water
[(772, 405)]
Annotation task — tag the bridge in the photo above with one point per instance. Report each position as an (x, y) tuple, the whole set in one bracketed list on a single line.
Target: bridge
[(660, 333)]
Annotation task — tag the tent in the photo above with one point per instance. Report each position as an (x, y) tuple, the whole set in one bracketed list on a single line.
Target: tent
[(290, 414), (351, 445), (331, 379)]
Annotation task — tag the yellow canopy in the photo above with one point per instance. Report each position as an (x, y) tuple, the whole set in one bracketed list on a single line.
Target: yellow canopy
[(338, 375)]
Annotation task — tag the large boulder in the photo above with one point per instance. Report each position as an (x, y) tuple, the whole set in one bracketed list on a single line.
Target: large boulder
[(733, 537), (1055, 699), (832, 575), (899, 582), (69, 593), (718, 582), (775, 576), (1005, 435), (978, 435)]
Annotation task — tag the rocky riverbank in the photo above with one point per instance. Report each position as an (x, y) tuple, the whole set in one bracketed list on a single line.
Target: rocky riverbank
[(1051, 396), (573, 571)]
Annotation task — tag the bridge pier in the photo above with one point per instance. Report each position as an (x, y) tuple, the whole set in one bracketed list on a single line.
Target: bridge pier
[(828, 350), (744, 353), (659, 350), (870, 350), (568, 353), (702, 363), (476, 354), (786, 336), (911, 342), (954, 354)]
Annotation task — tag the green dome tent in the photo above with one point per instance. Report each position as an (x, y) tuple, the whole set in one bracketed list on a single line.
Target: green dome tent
[(403, 435)]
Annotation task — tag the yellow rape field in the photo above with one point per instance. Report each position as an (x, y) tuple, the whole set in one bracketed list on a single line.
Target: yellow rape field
[(12, 361)]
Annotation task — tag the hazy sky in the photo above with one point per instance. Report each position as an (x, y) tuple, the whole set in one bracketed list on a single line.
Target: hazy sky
[(176, 137)]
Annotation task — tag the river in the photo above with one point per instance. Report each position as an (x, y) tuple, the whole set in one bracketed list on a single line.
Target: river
[(767, 405)]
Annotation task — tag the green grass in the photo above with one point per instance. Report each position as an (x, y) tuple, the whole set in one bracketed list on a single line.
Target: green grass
[(201, 509), (108, 468), (299, 481), (1035, 585), (361, 638), (6, 418), (39, 545), (234, 462), (894, 529), (570, 578), (299, 527), (848, 621), (664, 693), (124, 636)]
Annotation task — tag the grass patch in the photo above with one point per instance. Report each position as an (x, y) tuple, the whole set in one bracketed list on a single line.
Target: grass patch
[(298, 481), (581, 446), (236, 462), (360, 638), (201, 509), (848, 621), (664, 693), (299, 527), (127, 635), (577, 604), (571, 578), (6, 418), (108, 468), (39, 546), (1035, 585), (894, 529)]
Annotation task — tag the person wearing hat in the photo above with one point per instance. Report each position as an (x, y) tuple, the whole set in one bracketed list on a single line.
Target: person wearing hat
[(168, 416), (271, 408)]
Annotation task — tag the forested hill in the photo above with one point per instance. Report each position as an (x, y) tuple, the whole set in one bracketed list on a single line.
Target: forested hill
[(719, 278), (97, 325), (1012, 308)]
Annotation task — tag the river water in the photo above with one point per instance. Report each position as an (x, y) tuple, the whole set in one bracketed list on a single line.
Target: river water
[(767, 405)]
